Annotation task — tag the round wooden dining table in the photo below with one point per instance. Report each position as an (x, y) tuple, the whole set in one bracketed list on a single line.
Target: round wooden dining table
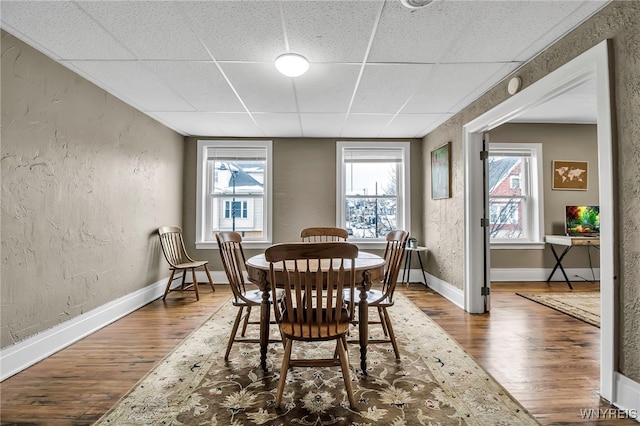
[(370, 268)]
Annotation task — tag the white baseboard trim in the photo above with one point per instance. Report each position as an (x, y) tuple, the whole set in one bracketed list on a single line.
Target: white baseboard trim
[(627, 396), (541, 274), (446, 290), (16, 358)]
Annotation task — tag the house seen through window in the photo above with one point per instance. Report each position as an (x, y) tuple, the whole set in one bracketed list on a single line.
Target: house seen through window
[(515, 185), (234, 189)]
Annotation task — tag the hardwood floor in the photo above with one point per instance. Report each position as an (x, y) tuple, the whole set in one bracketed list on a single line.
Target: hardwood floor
[(547, 360)]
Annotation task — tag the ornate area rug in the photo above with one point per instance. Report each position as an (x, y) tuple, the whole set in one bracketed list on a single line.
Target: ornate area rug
[(584, 306), (435, 383)]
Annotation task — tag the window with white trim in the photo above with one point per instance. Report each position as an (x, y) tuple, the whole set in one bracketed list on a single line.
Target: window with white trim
[(234, 191), (515, 193), (373, 189)]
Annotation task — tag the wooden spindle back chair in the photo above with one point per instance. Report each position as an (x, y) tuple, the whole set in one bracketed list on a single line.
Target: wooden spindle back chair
[(176, 255), (323, 234), (382, 298), (233, 261), (316, 277)]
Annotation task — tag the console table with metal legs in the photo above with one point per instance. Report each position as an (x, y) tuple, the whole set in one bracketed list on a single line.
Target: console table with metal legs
[(407, 263), (568, 242)]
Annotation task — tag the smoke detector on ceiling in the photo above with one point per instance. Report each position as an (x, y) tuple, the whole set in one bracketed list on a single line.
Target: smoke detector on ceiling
[(415, 4)]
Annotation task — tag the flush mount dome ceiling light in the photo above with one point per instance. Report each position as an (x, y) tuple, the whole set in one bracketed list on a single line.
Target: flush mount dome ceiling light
[(415, 4), (292, 64)]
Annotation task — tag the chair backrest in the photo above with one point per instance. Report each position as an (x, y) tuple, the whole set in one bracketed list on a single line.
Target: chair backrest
[(393, 255), (324, 234), (233, 259), (173, 245), (314, 277)]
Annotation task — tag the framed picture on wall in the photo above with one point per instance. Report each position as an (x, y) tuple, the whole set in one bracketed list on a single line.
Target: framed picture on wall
[(441, 172), (570, 175)]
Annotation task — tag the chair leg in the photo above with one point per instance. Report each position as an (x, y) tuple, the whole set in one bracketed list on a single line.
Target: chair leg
[(195, 283), (341, 348), (246, 321), (168, 287), (234, 330), (283, 372), (184, 275), (383, 322), (209, 276), (392, 335)]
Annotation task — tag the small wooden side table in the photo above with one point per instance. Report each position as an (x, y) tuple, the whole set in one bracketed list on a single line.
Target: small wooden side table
[(407, 263)]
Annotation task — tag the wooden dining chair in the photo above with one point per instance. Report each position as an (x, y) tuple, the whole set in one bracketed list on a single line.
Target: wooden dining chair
[(233, 260), (316, 277), (323, 234), (176, 255), (382, 298)]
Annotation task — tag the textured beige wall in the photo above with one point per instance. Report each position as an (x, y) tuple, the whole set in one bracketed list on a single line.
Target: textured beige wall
[(304, 179), (444, 220), (559, 142), (86, 180)]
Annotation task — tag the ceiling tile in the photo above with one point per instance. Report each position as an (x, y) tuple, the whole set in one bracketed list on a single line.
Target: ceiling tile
[(208, 123), (413, 125), (201, 83), (150, 29), (215, 58), (188, 123), (448, 85), (326, 87), (499, 31), (418, 35), (133, 83), (566, 22), (321, 125), (238, 30), (365, 125), (583, 99), (482, 87), (261, 87), (283, 125), (335, 31), (60, 30), (385, 88)]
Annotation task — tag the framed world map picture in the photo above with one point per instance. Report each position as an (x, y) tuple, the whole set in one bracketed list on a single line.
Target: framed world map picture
[(570, 175)]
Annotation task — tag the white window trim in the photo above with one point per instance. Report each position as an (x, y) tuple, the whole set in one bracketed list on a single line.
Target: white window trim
[(404, 188), (537, 188), (200, 242)]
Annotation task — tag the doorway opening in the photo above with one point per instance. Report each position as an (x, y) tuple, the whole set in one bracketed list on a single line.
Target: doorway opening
[(593, 64)]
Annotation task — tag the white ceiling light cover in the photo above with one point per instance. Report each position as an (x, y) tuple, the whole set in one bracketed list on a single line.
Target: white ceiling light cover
[(292, 64)]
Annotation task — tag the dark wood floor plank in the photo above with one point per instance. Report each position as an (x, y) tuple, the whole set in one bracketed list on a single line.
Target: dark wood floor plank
[(546, 360)]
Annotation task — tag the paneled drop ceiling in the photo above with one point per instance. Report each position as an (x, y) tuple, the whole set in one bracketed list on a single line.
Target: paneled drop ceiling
[(378, 69)]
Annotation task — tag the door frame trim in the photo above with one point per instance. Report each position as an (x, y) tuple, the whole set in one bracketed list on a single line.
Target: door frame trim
[(594, 63)]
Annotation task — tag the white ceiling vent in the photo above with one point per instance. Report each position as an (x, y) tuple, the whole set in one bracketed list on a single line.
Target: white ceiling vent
[(415, 4)]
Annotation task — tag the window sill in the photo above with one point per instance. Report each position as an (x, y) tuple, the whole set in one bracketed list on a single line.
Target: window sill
[(517, 246)]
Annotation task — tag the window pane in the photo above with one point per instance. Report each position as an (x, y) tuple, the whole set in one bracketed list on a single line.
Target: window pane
[(238, 185), (371, 178), (506, 218), (370, 217), (506, 175), (234, 190), (515, 181)]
